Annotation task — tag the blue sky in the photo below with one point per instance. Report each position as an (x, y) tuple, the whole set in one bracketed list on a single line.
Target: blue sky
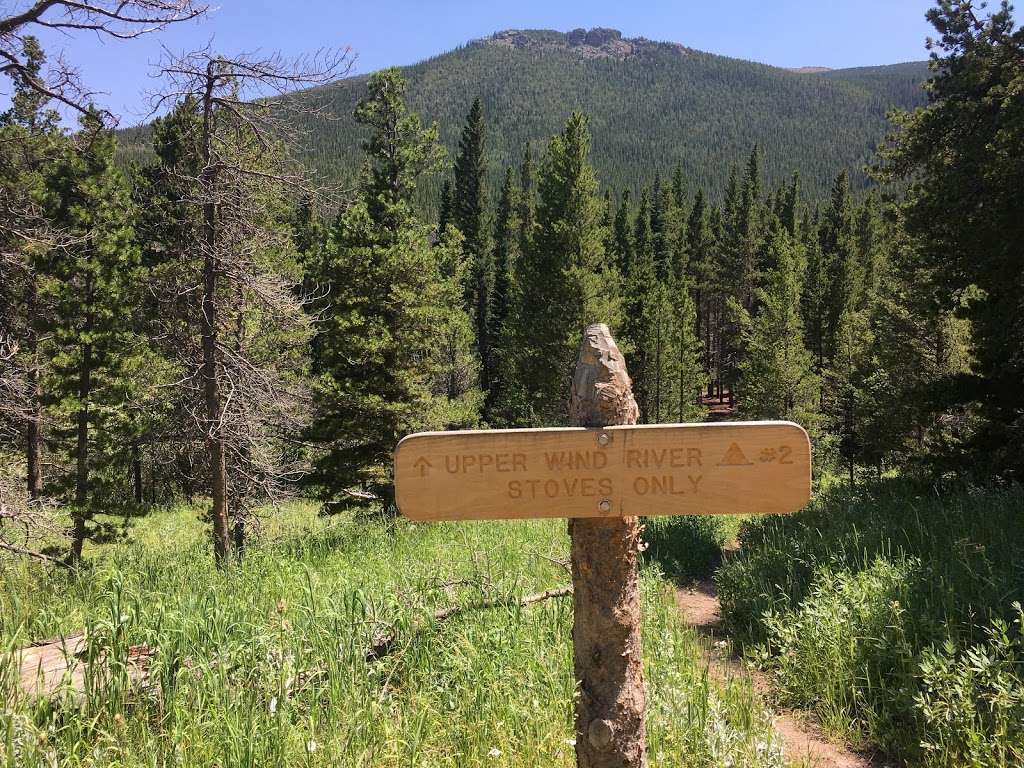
[(790, 33)]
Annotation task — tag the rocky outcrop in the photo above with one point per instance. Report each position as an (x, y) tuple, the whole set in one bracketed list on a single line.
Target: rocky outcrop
[(596, 43)]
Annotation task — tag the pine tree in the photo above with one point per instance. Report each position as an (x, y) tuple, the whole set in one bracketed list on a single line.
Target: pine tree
[(228, 288), (700, 259), (527, 201), (622, 235), (661, 228), (468, 214), (646, 313), (789, 205), (846, 399), (840, 260), (89, 287), (564, 281), (444, 212), (607, 223), (468, 196), (686, 345), (961, 155), (30, 142), (870, 252), (506, 251), (659, 332), (643, 246), (776, 378), (396, 344), (815, 298), (678, 187)]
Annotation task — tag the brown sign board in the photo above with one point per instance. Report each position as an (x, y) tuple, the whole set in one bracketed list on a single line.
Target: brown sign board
[(665, 469)]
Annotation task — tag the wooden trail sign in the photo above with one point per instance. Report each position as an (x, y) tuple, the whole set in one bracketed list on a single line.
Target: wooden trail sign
[(618, 471), (602, 474)]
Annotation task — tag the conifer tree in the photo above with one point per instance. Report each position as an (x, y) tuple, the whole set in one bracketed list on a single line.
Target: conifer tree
[(685, 344), (608, 223), (815, 296), (468, 193), (789, 204), (622, 235), (846, 402), (468, 214), (840, 260), (506, 251), (868, 233), (678, 187), (564, 280), (527, 200), (643, 246), (776, 378), (646, 314), (444, 212), (30, 142), (700, 264), (396, 343), (89, 288), (661, 228), (962, 156)]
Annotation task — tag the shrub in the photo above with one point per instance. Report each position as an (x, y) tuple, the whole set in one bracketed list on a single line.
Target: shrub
[(888, 611)]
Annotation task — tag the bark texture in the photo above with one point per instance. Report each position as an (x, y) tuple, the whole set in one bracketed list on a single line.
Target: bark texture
[(612, 704)]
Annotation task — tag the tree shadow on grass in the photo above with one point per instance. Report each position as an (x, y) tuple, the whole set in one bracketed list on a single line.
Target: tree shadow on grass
[(687, 549)]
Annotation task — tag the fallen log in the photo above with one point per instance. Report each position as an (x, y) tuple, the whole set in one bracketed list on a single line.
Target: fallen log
[(384, 644)]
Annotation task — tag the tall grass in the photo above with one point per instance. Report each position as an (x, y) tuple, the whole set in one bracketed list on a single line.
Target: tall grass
[(265, 664), (893, 611)]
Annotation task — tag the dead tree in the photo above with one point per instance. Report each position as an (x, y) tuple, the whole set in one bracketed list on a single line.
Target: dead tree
[(612, 704), (252, 331), (117, 19), (24, 523)]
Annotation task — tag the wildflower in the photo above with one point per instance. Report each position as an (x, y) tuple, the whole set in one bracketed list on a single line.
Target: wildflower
[(311, 746), (495, 752), (273, 705), (571, 742)]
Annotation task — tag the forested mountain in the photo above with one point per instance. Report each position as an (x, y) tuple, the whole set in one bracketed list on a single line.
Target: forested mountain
[(652, 105)]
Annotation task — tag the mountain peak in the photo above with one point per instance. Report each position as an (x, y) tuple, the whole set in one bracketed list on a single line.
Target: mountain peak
[(595, 43)]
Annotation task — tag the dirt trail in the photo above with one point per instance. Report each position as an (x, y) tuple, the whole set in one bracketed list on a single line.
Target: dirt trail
[(802, 738)]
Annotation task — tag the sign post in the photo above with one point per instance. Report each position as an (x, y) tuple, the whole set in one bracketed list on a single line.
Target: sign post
[(603, 473)]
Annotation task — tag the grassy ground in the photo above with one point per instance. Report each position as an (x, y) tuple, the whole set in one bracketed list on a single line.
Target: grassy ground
[(264, 664), (894, 612)]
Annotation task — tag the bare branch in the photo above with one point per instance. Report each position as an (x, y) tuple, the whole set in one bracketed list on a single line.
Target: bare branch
[(118, 19)]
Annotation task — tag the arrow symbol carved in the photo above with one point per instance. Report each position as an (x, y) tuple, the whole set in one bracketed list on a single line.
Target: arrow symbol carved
[(422, 465)]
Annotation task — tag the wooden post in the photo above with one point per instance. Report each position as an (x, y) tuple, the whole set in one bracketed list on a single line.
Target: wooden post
[(611, 703)]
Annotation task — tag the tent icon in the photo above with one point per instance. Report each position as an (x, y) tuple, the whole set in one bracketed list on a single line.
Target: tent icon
[(734, 457)]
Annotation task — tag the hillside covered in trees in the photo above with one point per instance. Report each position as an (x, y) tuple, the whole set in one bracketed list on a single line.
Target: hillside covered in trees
[(651, 105)]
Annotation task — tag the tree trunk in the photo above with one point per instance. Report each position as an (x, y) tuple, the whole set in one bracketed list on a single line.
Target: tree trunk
[(211, 393), (612, 704), (34, 428), (80, 513), (137, 473), (211, 390)]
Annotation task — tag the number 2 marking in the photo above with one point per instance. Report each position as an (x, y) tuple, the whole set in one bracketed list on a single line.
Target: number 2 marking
[(784, 453)]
